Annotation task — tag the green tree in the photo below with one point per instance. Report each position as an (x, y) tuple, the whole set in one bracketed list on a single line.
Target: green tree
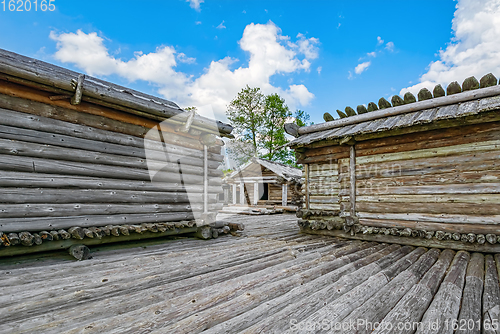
[(245, 113), (301, 118), (272, 135), (258, 123)]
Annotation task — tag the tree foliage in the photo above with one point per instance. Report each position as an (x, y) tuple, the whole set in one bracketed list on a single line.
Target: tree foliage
[(258, 123), (246, 115), (272, 133)]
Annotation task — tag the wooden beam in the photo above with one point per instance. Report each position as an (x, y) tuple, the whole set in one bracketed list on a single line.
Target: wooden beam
[(242, 193), (234, 193), (205, 179), (352, 173), (256, 194), (65, 244), (284, 194), (420, 242), (306, 175), (77, 98)]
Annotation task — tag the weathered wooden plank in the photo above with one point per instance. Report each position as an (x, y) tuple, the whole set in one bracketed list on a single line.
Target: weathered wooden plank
[(476, 188), (430, 139), (10, 147), (81, 209), (38, 180), (26, 120), (324, 199), (337, 310), (36, 165), (469, 319), (429, 208), (32, 195), (424, 166), (438, 218), (317, 206), (180, 293), (51, 223), (410, 309), (299, 302), (454, 177), (445, 307), (489, 198), (491, 298), (19, 148), (379, 305), (414, 223), (50, 131), (243, 302)]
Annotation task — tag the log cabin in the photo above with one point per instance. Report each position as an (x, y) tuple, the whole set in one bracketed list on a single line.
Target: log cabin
[(422, 173), (84, 161), (262, 182)]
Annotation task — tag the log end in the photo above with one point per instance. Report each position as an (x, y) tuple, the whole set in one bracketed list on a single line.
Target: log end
[(80, 252)]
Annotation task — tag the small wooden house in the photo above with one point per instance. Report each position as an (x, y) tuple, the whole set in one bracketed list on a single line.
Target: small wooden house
[(87, 161), (264, 182), (422, 173)]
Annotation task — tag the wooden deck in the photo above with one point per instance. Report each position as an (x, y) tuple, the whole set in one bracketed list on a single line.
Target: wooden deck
[(270, 280)]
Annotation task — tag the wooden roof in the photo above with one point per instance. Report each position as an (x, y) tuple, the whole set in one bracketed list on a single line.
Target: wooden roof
[(286, 172), (264, 282), (48, 77), (456, 106)]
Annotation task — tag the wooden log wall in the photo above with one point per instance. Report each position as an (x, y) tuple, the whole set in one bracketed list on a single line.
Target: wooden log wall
[(324, 186), (440, 184), (443, 180), (64, 166)]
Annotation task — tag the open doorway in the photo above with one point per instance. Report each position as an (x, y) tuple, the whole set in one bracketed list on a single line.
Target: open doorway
[(265, 194)]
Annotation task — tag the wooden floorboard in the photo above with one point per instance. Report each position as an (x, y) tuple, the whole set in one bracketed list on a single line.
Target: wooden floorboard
[(268, 279)]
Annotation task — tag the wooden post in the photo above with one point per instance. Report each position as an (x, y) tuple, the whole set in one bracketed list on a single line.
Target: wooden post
[(284, 194), (234, 193), (205, 179), (226, 195), (242, 193), (255, 193), (306, 173), (77, 98), (352, 173)]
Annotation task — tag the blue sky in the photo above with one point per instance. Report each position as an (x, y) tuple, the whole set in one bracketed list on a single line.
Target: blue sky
[(319, 55)]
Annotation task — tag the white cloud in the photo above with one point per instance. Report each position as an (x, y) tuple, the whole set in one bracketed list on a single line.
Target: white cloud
[(474, 49), (390, 46), (380, 41), (195, 4), (362, 67), (308, 46), (372, 54), (270, 53), (221, 25), (185, 59), (197, 22), (319, 69)]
